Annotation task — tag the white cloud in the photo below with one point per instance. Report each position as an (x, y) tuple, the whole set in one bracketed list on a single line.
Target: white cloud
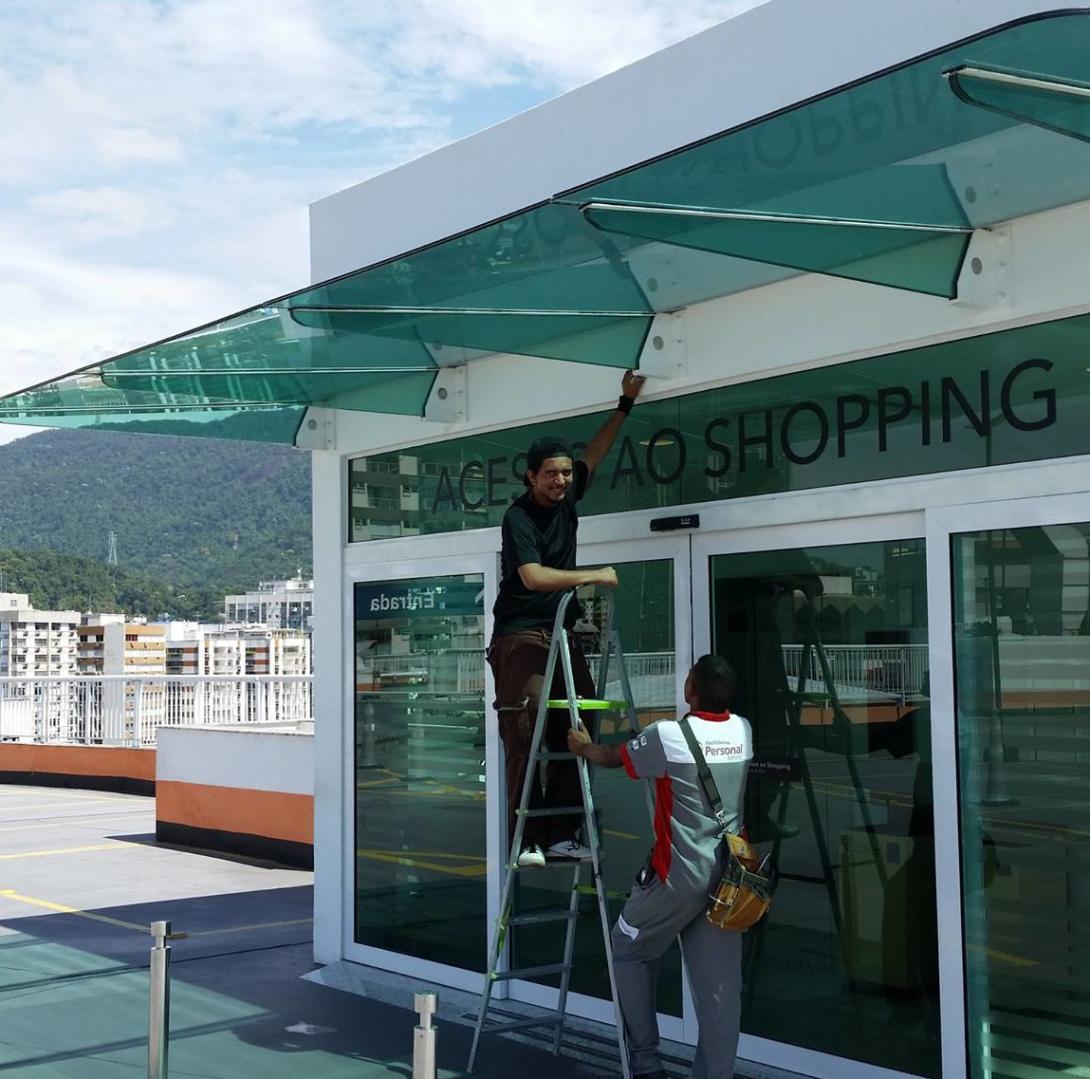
[(97, 213), (157, 156)]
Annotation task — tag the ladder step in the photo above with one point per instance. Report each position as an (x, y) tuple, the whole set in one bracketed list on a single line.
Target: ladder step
[(522, 1024), (530, 972), (589, 704), (562, 811), (547, 755), (539, 917)]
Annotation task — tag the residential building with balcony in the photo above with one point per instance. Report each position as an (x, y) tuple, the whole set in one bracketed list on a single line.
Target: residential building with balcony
[(34, 644), (194, 649)]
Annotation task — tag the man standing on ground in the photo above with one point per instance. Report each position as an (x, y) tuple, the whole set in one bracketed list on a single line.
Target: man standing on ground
[(671, 894), (538, 566)]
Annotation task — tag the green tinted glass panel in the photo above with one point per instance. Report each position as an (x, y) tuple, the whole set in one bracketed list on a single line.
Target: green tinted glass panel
[(88, 402), (1018, 395), (1022, 661), (1023, 95), (645, 622), (903, 257), (901, 148), (419, 775), (830, 647), (892, 148)]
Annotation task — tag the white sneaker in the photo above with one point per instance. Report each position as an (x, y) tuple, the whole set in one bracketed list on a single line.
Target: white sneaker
[(531, 857), (569, 848)]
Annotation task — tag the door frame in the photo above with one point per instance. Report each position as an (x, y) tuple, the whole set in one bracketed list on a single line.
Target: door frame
[(483, 563), (942, 524), (864, 528)]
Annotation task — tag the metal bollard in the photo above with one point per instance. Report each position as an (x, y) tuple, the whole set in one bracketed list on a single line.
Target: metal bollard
[(159, 1001), (424, 1036)]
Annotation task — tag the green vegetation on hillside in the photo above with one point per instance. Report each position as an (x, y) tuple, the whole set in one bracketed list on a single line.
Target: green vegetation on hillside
[(65, 582), (193, 517)]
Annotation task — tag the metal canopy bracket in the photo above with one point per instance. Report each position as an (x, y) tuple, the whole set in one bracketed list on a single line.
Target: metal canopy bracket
[(318, 431), (663, 354), (448, 401), (985, 279)]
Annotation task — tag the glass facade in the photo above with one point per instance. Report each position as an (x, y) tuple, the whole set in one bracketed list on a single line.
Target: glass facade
[(1022, 661), (830, 646), (419, 776), (1015, 395)]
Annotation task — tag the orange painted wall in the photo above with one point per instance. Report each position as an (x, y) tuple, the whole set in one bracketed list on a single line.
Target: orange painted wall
[(233, 809), (79, 760)]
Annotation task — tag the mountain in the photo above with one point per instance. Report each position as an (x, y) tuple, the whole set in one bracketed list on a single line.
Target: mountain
[(69, 582), (194, 515)]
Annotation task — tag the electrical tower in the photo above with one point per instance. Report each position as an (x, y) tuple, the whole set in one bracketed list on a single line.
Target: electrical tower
[(111, 555)]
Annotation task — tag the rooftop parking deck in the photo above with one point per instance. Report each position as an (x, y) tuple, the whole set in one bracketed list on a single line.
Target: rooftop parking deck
[(81, 878)]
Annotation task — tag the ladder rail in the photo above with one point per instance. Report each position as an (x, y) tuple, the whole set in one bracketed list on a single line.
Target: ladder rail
[(499, 933), (559, 650)]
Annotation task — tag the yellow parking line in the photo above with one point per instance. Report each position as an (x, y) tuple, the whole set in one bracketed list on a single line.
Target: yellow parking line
[(619, 835), (65, 794), (60, 908), (52, 805), (412, 862), (113, 845), (71, 821)]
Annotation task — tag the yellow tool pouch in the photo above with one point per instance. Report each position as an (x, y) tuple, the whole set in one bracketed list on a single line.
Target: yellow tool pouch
[(744, 893)]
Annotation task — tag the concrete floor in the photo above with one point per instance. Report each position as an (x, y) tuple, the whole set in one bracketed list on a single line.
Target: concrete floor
[(80, 880)]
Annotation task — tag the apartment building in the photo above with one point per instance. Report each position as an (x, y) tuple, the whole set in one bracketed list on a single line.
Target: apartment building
[(239, 651), (34, 644), (279, 604), (110, 644)]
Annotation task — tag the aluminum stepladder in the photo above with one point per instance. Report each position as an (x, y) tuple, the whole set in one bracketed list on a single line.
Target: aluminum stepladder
[(559, 649)]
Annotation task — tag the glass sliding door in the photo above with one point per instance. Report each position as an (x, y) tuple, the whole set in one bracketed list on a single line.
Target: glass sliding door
[(830, 644), (420, 864), (1021, 643)]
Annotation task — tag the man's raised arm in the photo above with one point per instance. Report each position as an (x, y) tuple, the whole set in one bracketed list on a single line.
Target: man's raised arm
[(600, 444)]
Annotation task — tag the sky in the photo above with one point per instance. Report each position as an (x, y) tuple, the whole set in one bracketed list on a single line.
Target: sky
[(157, 156)]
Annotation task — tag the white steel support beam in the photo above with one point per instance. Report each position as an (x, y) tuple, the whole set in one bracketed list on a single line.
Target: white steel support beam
[(985, 278)]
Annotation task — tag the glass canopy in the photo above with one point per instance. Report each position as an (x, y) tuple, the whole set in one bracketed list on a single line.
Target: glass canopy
[(881, 182)]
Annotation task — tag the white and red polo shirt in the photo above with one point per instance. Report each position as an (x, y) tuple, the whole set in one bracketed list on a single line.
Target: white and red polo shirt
[(686, 832)]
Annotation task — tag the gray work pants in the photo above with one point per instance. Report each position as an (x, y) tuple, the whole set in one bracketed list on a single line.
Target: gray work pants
[(653, 916)]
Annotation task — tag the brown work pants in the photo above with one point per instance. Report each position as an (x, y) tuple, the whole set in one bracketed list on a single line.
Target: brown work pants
[(518, 665)]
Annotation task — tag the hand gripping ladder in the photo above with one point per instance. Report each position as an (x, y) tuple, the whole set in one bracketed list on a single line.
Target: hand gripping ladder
[(559, 649)]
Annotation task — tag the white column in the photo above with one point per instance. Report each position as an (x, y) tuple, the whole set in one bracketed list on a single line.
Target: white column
[(331, 727)]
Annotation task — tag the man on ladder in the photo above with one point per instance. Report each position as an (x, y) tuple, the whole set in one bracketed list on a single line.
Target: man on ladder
[(538, 566), (670, 898)]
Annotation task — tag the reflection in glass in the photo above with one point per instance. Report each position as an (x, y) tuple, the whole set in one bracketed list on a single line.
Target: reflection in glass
[(1022, 654), (830, 646), (420, 783), (645, 622)]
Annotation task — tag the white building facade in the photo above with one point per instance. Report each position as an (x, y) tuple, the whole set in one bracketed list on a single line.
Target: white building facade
[(856, 489), (34, 644), (278, 604), (239, 653)]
